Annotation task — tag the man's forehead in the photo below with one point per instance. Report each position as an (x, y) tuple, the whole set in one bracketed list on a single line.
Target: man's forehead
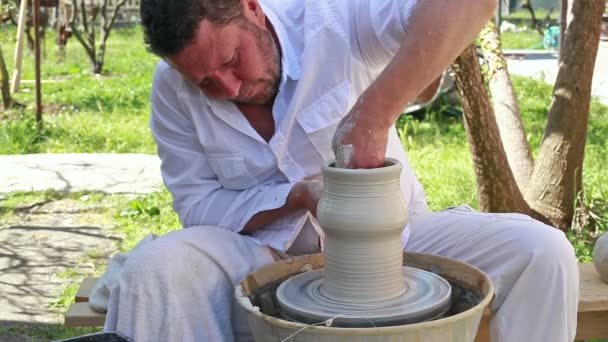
[(206, 49)]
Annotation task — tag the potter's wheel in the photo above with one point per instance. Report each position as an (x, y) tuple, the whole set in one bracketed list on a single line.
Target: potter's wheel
[(427, 296)]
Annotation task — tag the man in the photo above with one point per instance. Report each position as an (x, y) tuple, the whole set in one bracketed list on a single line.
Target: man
[(245, 105)]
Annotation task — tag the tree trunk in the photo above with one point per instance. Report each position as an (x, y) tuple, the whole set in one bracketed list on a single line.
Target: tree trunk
[(496, 186), (506, 108), (557, 176), (4, 85)]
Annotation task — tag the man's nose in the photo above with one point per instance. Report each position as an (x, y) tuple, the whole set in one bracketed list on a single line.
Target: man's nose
[(228, 83)]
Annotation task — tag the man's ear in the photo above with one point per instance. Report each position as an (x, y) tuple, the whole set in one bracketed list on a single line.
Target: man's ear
[(253, 11)]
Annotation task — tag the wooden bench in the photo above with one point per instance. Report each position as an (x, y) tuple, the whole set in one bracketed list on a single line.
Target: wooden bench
[(592, 308)]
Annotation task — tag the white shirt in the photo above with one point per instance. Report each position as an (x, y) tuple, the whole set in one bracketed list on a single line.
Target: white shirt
[(221, 172)]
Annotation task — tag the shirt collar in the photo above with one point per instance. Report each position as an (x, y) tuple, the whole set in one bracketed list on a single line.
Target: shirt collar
[(290, 62)]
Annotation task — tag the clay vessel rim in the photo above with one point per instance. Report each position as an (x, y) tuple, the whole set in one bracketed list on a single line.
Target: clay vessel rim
[(390, 165)]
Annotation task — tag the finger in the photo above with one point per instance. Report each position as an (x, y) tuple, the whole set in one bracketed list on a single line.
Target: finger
[(371, 161), (344, 155)]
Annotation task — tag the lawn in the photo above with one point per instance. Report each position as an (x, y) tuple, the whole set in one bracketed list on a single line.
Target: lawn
[(82, 112), (109, 113), (526, 39), (540, 14)]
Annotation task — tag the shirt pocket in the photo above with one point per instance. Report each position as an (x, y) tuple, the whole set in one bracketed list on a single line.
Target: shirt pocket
[(231, 171), (320, 119)]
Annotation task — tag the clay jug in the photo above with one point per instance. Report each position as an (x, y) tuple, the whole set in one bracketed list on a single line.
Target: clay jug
[(363, 214), (600, 256)]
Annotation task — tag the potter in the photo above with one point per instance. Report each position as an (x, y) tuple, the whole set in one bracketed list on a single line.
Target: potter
[(246, 100)]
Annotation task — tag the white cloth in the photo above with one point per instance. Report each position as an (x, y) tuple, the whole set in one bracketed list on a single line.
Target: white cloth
[(532, 265), (180, 287), (100, 294), (221, 172)]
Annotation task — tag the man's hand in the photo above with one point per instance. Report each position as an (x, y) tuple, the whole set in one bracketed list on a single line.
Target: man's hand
[(424, 53), (303, 195), (306, 194), (360, 140)]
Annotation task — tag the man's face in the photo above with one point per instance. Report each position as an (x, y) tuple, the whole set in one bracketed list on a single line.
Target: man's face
[(236, 62)]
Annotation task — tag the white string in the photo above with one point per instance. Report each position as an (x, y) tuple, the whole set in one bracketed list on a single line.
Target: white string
[(327, 323)]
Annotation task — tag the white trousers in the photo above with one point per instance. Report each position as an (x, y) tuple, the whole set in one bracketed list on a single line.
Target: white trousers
[(180, 286)]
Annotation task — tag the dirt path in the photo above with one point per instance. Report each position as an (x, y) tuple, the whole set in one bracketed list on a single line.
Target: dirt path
[(43, 249)]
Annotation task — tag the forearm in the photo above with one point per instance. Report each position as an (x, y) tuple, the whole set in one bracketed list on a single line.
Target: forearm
[(263, 218), (437, 32), (303, 195)]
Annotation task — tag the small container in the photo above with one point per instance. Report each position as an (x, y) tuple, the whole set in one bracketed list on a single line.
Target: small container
[(600, 257)]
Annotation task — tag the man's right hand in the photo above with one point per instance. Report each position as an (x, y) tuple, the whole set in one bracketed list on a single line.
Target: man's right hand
[(305, 195)]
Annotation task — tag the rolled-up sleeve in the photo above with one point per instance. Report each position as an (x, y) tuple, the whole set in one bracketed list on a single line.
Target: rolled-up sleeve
[(198, 196), (379, 27)]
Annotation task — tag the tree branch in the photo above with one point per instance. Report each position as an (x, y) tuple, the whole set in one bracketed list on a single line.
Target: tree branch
[(78, 34), (106, 28), (497, 189), (506, 108), (83, 15)]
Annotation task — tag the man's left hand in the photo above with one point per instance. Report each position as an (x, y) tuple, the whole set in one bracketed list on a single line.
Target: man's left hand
[(360, 141)]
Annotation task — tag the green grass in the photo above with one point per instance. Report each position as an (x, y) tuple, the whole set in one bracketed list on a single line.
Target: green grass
[(144, 215), (15, 201), (45, 332), (527, 39), (540, 14), (439, 152), (85, 113)]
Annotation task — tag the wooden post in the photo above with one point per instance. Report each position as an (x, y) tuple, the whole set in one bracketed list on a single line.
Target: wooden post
[(499, 15), (19, 46), (36, 11)]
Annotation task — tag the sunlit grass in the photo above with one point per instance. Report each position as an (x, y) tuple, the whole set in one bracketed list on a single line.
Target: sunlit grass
[(84, 112)]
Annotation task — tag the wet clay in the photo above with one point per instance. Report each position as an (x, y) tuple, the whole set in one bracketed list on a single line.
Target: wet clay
[(362, 213)]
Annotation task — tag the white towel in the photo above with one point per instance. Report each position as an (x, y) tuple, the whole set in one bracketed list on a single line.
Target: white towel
[(100, 295), (180, 287)]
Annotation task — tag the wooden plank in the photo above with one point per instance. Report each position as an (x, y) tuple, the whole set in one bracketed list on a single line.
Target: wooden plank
[(593, 291), (84, 291), (82, 315), (592, 308), (592, 325)]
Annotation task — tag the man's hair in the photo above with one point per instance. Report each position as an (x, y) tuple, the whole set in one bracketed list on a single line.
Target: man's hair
[(169, 25)]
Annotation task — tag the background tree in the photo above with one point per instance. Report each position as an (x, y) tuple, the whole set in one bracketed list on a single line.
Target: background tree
[(90, 19), (5, 16), (4, 86), (507, 176)]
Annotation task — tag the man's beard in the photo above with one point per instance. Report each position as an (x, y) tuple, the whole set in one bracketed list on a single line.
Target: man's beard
[(269, 85)]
